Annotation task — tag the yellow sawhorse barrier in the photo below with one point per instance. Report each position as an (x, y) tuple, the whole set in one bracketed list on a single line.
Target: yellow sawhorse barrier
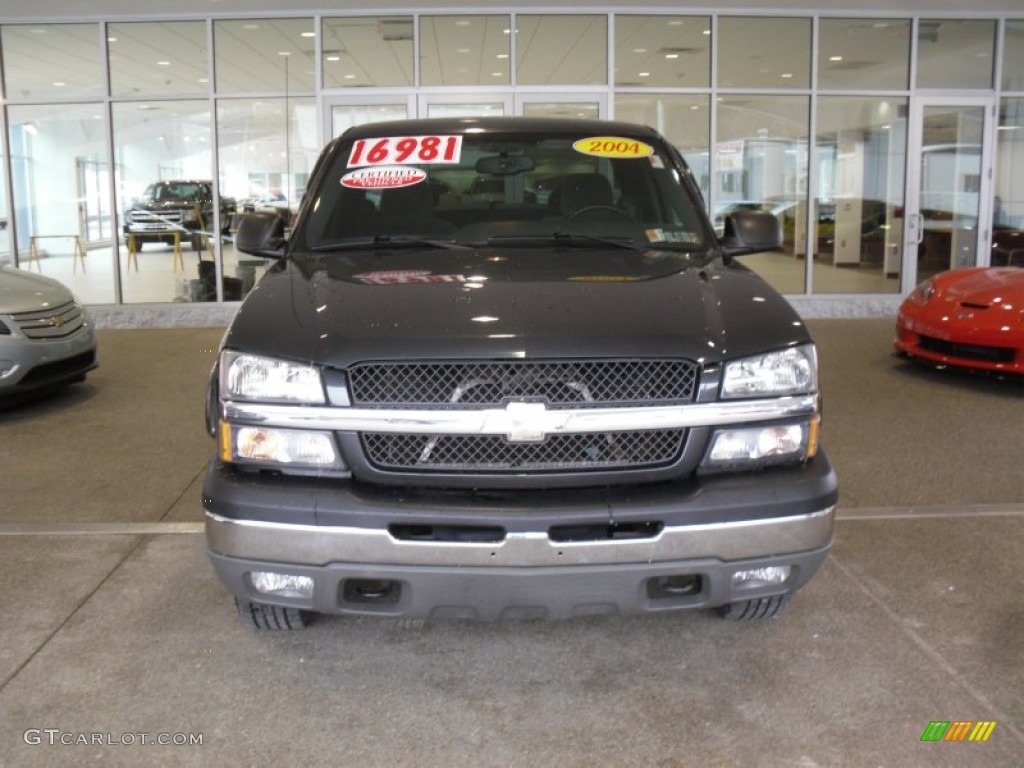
[(33, 251), (134, 246)]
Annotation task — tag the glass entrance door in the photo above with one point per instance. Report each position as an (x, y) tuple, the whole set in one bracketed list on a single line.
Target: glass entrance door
[(946, 224), (589, 105)]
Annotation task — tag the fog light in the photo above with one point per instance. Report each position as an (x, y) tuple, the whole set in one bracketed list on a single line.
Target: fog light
[(772, 575), (282, 584)]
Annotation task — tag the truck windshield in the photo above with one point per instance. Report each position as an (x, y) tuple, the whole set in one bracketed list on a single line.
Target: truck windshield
[(506, 189)]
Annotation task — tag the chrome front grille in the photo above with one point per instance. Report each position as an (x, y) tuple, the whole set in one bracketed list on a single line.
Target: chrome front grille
[(495, 454), (54, 323), (560, 384), (493, 383)]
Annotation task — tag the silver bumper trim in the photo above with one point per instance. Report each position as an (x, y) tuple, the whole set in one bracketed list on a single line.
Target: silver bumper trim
[(321, 545), (519, 423)]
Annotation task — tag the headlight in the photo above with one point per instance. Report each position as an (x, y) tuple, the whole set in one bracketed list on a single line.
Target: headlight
[(787, 372), (923, 293), (738, 448), (268, 446), (252, 377)]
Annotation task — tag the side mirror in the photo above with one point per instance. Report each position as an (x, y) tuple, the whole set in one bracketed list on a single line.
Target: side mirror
[(261, 234), (750, 231)]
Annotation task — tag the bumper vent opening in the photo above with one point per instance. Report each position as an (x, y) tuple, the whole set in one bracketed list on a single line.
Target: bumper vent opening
[(604, 532), (448, 533)]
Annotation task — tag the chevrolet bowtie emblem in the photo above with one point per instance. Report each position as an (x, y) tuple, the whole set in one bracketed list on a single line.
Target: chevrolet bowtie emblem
[(526, 422), (56, 322)]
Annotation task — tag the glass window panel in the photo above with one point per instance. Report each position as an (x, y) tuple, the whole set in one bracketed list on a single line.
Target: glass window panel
[(166, 229), (345, 116), (465, 50), (48, 145), (465, 109), (864, 53), (367, 51), (955, 53), (267, 151), (682, 119), (760, 163), (157, 58), (589, 110), (52, 61), (1013, 56), (6, 254), (562, 50), (858, 220), (759, 52), (1008, 206), (260, 55), (673, 51)]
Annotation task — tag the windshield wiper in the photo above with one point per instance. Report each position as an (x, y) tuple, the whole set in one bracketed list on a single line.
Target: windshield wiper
[(562, 238), (386, 241)]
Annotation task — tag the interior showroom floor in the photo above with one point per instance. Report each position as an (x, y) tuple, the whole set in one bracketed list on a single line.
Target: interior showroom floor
[(117, 627)]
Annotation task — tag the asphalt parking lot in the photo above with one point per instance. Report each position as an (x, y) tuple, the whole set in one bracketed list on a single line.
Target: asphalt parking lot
[(118, 635)]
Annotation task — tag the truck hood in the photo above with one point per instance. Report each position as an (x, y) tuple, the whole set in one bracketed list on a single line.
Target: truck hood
[(340, 308)]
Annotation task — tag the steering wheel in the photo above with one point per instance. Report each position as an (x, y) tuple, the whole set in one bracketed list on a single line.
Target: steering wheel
[(599, 208)]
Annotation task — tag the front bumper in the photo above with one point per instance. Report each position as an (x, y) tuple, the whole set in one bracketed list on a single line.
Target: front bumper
[(31, 364), (556, 555)]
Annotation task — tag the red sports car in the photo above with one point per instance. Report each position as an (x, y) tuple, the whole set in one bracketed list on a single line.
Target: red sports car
[(970, 318)]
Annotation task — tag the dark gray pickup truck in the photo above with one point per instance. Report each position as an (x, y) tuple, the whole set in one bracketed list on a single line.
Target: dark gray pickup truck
[(505, 368)]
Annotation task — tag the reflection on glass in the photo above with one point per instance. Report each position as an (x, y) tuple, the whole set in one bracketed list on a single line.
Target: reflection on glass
[(1008, 208), (682, 119), (864, 53), (165, 203), (52, 61), (167, 57), (470, 109), (859, 212), (585, 109), (6, 255), (1013, 56), (261, 55), (760, 163), (366, 51), (950, 186), (955, 53), (49, 145), (758, 52), (344, 116), (673, 51), (267, 150), (465, 50), (562, 50)]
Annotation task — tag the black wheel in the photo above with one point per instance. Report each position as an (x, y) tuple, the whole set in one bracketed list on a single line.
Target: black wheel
[(263, 616), (588, 209), (757, 608)]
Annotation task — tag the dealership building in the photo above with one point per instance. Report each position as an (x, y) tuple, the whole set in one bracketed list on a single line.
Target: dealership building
[(887, 140)]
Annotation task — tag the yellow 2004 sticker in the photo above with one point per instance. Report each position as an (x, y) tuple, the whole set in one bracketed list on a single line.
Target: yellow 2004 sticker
[(613, 146)]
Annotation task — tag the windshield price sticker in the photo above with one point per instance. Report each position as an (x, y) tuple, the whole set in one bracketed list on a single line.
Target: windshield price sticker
[(399, 150), (613, 146)]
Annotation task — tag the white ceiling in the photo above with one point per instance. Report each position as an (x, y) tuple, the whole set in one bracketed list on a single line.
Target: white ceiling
[(16, 10)]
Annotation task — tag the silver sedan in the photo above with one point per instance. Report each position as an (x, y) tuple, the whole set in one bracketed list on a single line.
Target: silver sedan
[(46, 337)]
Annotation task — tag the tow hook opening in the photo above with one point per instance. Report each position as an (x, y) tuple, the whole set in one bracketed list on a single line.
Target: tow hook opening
[(674, 586), (371, 591)]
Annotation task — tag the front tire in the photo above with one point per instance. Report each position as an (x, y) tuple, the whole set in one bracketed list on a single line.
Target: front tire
[(273, 617), (756, 608)]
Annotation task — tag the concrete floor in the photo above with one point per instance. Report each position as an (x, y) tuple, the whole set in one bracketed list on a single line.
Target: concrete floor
[(115, 625)]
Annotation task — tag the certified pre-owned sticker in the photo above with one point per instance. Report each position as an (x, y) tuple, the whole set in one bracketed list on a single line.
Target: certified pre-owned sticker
[(613, 146), (383, 177)]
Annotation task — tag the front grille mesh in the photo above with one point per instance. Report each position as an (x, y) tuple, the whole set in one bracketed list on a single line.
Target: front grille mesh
[(493, 453), (492, 383), (55, 323), (968, 351)]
